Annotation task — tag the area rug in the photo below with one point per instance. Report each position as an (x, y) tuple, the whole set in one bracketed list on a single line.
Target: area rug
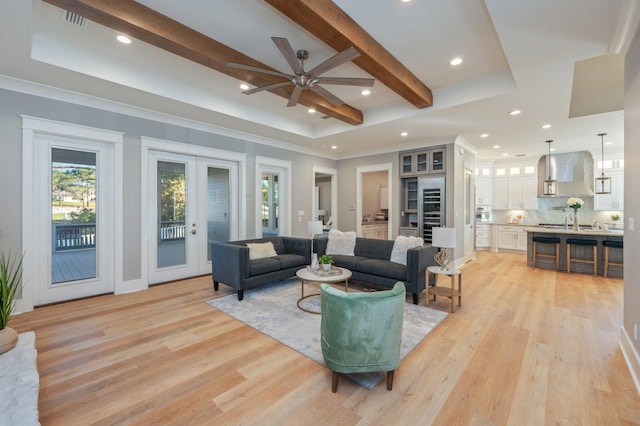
[(20, 382), (272, 310)]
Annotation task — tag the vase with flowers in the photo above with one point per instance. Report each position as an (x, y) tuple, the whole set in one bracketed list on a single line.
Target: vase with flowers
[(575, 204)]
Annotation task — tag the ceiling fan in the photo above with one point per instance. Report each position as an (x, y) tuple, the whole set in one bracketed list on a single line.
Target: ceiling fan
[(303, 80)]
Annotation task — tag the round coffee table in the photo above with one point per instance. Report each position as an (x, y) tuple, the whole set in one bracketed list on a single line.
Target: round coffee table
[(336, 275)]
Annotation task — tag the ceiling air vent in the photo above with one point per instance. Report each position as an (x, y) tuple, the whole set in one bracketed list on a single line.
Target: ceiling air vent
[(74, 18), (325, 117)]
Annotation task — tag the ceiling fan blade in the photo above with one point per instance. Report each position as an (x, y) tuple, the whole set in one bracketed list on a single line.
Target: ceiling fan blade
[(267, 87), (346, 81), (256, 69), (288, 53), (338, 59), (295, 96), (333, 99)]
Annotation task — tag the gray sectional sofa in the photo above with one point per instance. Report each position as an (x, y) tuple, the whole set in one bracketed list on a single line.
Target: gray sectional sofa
[(231, 264), (371, 264)]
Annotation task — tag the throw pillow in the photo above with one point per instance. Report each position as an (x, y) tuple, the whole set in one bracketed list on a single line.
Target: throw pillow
[(341, 242), (400, 247), (261, 250)]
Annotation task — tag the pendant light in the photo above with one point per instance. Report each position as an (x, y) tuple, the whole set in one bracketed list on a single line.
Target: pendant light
[(549, 185), (603, 183)]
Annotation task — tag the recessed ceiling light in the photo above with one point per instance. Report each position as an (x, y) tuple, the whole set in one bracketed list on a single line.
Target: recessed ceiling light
[(405, 1), (515, 112), (334, 146), (608, 143), (244, 86), (546, 126), (496, 146), (123, 39), (552, 149), (366, 92), (456, 61), (404, 134), (311, 110), (484, 135), (505, 155)]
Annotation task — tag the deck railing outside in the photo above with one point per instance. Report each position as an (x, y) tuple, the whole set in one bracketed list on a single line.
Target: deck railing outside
[(74, 236), (173, 230)]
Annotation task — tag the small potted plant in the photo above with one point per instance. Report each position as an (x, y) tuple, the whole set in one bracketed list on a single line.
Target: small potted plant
[(326, 261), (10, 281)]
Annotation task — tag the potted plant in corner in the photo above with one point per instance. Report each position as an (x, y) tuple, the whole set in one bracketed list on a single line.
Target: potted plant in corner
[(326, 261), (10, 281)]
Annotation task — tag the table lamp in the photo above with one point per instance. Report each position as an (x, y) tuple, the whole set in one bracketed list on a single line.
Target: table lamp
[(314, 227), (443, 238)]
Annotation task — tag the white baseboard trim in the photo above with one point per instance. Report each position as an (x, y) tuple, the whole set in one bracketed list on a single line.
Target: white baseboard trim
[(631, 357), (131, 286)]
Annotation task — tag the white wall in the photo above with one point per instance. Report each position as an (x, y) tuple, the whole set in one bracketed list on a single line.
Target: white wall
[(631, 317)]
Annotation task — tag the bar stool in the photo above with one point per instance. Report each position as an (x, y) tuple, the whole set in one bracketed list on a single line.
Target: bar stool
[(610, 244), (583, 243), (547, 240)]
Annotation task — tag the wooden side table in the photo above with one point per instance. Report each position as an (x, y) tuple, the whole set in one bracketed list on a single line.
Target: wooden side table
[(450, 292)]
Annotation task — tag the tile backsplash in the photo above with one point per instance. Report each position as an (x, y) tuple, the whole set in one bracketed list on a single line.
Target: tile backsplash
[(554, 210)]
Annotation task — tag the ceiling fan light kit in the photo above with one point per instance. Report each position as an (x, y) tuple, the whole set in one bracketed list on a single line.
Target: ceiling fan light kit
[(307, 80)]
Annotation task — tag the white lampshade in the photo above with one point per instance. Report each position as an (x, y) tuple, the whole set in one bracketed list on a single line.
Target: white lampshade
[(314, 227), (443, 237)]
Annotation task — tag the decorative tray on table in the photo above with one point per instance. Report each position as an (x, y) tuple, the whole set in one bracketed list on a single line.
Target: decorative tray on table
[(322, 273)]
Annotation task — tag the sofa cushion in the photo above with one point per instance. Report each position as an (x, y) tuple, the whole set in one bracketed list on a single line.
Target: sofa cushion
[(373, 248), (290, 260), (400, 247), (383, 268), (349, 262), (263, 266), (342, 243), (261, 250)]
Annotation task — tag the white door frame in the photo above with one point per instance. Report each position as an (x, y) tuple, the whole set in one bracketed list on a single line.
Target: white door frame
[(334, 192), (237, 192), (37, 259), (283, 169), (384, 167)]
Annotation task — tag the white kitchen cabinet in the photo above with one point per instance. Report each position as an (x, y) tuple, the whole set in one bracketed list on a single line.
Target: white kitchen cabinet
[(511, 238), (500, 195), (483, 191), (615, 200), (515, 193), (483, 236), (379, 231), (523, 192)]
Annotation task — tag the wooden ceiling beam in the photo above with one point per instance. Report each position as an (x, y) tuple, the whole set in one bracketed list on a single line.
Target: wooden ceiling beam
[(145, 24), (325, 20)]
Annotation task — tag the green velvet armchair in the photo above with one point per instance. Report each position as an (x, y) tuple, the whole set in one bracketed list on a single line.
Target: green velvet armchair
[(361, 332)]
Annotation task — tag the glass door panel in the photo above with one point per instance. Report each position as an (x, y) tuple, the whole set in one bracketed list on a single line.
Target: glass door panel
[(217, 206), (171, 214), (269, 204), (73, 215)]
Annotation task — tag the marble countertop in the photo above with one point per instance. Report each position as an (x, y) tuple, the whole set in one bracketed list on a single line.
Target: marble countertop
[(613, 233)]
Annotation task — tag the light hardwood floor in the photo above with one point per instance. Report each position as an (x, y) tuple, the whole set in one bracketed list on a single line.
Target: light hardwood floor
[(526, 348)]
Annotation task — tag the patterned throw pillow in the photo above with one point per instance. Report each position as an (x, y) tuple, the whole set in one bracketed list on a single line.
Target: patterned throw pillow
[(341, 242), (261, 250), (400, 247)]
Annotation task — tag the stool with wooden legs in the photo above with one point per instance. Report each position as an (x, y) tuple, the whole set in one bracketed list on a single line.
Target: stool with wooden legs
[(547, 240), (582, 243), (607, 245)]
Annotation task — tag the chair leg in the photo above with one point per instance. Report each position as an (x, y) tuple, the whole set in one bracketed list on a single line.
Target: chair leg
[(557, 257), (334, 382), (606, 261), (568, 258), (390, 379), (595, 261), (216, 285), (240, 294), (535, 244)]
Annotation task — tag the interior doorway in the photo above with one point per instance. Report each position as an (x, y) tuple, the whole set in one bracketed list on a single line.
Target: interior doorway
[(375, 196)]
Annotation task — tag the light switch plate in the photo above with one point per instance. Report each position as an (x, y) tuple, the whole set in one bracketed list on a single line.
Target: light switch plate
[(631, 224)]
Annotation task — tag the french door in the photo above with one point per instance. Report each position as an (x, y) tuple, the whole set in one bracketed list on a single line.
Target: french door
[(190, 206), (73, 214)]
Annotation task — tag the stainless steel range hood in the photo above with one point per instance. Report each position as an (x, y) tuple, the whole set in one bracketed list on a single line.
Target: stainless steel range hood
[(573, 172)]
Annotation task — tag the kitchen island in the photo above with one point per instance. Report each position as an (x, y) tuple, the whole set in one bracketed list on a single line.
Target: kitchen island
[(591, 234)]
